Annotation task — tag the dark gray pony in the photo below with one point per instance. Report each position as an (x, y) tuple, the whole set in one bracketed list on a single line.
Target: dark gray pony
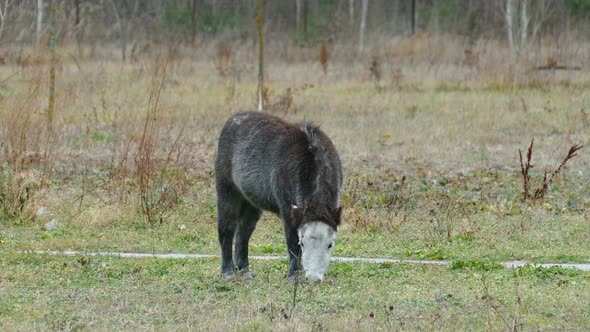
[(266, 163)]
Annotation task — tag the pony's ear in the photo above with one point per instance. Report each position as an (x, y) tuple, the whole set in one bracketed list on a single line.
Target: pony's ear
[(339, 216), (296, 216)]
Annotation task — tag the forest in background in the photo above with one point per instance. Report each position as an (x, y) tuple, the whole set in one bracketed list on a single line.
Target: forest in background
[(126, 24)]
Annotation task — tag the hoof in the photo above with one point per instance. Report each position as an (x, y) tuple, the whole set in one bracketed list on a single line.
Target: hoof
[(228, 276), (245, 273)]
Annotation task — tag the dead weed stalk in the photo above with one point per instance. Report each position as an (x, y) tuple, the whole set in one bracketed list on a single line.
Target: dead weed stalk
[(284, 103), (324, 57), (525, 167), (445, 215), (511, 322)]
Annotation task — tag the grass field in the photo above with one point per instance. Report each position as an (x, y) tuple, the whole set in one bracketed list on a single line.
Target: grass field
[(431, 172), (48, 292)]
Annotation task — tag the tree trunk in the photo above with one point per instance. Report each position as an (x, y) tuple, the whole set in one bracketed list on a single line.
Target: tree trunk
[(121, 30), (4, 14), (351, 12), (365, 6), (123, 25), (298, 17), (524, 23), (77, 12), (52, 64), (194, 22), (305, 14), (77, 28), (39, 20), (394, 16), (413, 17), (259, 22), (509, 7)]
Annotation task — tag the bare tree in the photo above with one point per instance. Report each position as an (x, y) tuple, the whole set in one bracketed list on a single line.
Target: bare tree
[(124, 16), (4, 7), (545, 9), (519, 16), (39, 20), (365, 6)]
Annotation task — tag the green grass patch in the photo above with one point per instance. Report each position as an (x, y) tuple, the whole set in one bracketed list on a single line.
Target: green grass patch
[(49, 292), (475, 266)]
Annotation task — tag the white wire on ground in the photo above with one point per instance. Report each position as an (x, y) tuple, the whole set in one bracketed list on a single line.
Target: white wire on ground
[(509, 264)]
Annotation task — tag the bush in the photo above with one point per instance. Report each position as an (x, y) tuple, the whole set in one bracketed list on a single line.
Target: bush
[(579, 8), (178, 18)]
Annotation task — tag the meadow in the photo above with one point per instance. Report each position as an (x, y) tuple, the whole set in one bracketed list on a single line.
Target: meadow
[(430, 150)]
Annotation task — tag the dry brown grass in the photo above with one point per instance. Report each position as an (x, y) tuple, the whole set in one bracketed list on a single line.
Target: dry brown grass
[(27, 148), (439, 112)]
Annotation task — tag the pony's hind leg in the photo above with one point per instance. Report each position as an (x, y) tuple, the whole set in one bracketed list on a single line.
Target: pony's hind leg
[(229, 202), (249, 216)]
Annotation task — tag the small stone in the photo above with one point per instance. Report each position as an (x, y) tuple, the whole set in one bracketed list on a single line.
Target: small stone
[(52, 225), (182, 227), (41, 211)]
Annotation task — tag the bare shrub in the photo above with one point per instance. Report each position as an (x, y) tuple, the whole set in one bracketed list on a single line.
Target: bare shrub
[(375, 72), (445, 212), (159, 182), (223, 60), (284, 103), (25, 148)]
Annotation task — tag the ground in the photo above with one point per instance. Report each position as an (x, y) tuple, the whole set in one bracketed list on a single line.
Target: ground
[(431, 172)]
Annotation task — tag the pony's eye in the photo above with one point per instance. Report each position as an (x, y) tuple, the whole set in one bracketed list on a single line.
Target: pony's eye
[(329, 246)]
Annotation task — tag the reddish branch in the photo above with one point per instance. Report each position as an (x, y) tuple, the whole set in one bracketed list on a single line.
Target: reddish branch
[(547, 178), (524, 169), (540, 192)]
